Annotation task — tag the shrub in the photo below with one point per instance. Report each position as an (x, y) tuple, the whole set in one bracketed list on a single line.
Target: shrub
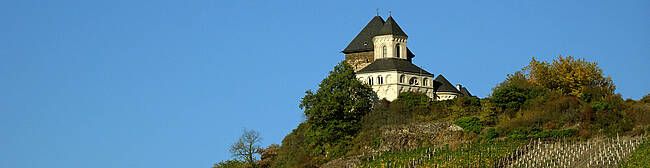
[(470, 124), (555, 133), (490, 134), (412, 102), (231, 164), (510, 95), (465, 105)]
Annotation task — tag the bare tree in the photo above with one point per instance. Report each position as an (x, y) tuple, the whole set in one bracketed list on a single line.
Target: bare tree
[(247, 147)]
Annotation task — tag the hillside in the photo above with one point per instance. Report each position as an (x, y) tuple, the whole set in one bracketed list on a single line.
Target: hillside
[(563, 113)]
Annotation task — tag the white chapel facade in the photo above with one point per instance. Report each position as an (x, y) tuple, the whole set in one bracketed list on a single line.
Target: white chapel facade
[(381, 59)]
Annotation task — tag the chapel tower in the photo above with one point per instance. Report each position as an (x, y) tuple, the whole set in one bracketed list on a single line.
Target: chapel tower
[(381, 58)]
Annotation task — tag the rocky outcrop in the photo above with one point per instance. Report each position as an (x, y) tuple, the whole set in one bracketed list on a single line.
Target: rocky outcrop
[(406, 137)]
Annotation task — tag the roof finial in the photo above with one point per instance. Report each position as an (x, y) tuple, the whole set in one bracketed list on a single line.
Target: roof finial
[(377, 11), (389, 14)]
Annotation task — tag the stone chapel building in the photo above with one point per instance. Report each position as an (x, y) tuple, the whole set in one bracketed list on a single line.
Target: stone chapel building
[(380, 57)]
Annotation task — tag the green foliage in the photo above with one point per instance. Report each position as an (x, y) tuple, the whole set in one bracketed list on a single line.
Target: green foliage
[(465, 106), (510, 95), (639, 111), (563, 93), (465, 155), (490, 134), (231, 164), (565, 98), (336, 108), (333, 113), (639, 157), (554, 133), (470, 124), (537, 133), (412, 102), (295, 150)]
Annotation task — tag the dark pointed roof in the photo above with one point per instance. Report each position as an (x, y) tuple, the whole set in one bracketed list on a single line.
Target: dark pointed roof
[(464, 91), (363, 40), (391, 28), (393, 64), (445, 85)]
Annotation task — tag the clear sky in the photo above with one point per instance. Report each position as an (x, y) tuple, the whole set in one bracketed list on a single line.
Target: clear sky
[(163, 83)]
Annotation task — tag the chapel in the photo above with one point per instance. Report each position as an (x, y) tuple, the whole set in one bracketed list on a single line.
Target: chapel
[(381, 58)]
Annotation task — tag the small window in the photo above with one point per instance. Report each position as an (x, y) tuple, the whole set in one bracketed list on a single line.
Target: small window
[(384, 51), (413, 81), (425, 82), (370, 80), (402, 78), (397, 51), (380, 80)]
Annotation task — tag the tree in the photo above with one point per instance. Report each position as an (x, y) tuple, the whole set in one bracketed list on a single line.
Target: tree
[(247, 147), (268, 155), (510, 95), (570, 76), (230, 164), (335, 110)]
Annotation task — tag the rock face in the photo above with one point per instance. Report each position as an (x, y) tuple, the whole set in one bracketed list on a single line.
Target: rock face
[(411, 136), (359, 60), (417, 135)]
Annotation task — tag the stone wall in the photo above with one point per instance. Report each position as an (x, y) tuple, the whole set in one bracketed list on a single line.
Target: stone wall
[(359, 60)]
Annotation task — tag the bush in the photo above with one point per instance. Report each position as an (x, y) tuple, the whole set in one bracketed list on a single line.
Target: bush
[(296, 150), (412, 102), (510, 95), (555, 133), (490, 134), (231, 164), (470, 124), (465, 105)]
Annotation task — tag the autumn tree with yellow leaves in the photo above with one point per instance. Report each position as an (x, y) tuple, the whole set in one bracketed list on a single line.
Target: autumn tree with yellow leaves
[(570, 76)]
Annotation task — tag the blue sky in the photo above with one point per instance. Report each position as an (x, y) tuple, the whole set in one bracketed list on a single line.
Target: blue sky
[(128, 83)]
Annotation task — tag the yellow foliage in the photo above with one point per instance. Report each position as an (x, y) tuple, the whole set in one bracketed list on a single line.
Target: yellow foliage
[(568, 75)]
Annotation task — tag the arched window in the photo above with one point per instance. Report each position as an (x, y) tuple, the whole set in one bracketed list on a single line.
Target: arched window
[(384, 51), (413, 81), (380, 80), (397, 51), (402, 78), (425, 82), (370, 80)]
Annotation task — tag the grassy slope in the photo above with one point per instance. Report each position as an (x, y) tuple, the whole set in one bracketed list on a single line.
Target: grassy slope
[(475, 154), (640, 157), (485, 154)]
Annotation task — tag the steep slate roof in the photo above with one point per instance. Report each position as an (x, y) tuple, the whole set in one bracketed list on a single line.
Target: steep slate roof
[(464, 91), (393, 64), (445, 85), (391, 28), (363, 40)]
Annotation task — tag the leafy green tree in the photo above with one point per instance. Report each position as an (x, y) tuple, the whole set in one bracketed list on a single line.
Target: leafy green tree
[(510, 95), (335, 110)]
